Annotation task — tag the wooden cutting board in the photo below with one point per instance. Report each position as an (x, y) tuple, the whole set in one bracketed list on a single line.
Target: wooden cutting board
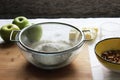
[(13, 66)]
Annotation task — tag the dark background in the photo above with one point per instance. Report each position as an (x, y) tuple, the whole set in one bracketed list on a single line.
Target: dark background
[(59, 8)]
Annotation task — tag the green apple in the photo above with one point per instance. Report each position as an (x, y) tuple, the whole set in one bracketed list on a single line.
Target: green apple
[(21, 22), (34, 33), (6, 30)]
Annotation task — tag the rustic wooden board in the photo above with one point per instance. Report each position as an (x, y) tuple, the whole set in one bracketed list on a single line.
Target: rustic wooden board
[(13, 66)]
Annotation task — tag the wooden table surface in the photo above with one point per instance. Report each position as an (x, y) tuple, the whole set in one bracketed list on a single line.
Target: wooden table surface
[(13, 66)]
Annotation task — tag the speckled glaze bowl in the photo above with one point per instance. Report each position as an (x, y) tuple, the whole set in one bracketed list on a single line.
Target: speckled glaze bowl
[(53, 38), (106, 45)]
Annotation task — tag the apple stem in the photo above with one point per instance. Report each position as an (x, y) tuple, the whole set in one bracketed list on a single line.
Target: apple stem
[(20, 19), (9, 26)]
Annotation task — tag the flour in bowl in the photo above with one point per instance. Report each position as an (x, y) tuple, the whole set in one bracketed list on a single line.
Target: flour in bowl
[(48, 46)]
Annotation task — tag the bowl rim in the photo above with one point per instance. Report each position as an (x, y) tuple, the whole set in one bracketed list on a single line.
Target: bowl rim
[(76, 46), (99, 43)]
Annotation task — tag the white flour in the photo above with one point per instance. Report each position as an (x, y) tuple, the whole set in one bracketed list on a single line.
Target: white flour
[(47, 46), (51, 59)]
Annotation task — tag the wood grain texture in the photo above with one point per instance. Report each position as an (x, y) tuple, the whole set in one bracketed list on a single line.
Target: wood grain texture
[(13, 66)]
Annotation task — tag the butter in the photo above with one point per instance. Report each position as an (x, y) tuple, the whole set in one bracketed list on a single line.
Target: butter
[(91, 32), (74, 35)]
